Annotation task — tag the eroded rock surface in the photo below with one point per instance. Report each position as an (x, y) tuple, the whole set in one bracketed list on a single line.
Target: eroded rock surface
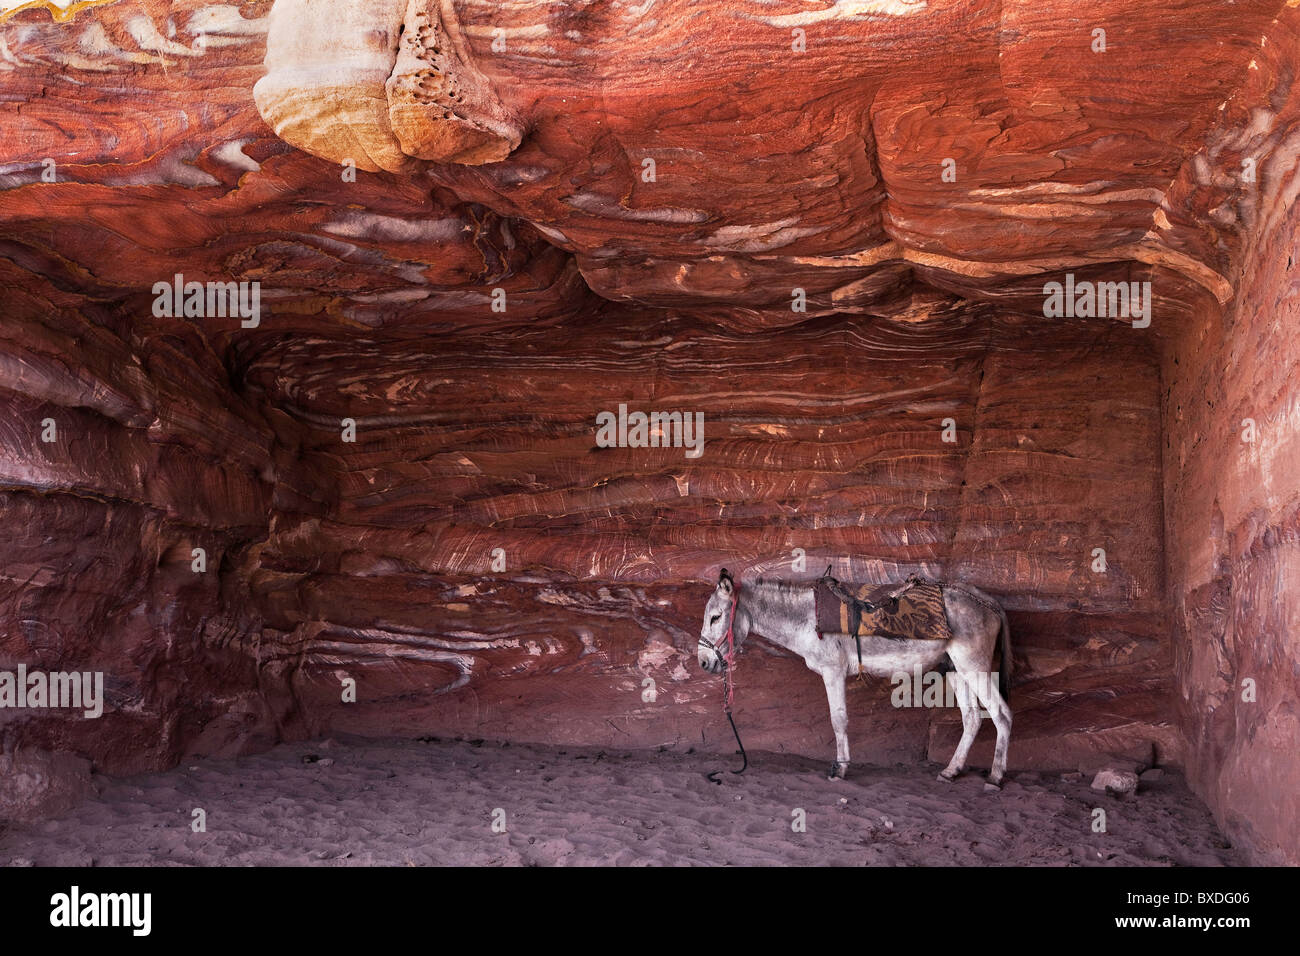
[(554, 209)]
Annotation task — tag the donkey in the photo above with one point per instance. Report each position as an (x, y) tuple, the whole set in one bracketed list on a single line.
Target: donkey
[(784, 613)]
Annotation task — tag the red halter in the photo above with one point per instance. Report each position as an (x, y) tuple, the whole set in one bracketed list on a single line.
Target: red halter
[(728, 642), (727, 645), (730, 657)]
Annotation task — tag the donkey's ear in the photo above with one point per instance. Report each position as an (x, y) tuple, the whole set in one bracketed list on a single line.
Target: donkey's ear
[(725, 583)]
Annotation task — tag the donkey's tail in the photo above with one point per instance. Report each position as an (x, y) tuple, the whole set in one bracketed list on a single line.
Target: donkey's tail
[(1004, 669)]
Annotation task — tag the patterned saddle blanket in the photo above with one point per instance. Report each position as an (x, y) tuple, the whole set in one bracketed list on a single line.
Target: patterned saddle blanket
[(912, 611)]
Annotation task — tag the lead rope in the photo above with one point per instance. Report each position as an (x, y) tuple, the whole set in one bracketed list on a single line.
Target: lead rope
[(729, 689)]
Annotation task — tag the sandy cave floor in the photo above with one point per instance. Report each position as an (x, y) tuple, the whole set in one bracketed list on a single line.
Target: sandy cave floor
[(431, 802)]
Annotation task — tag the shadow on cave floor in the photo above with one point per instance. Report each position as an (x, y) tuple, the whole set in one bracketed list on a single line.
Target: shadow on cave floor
[(403, 802)]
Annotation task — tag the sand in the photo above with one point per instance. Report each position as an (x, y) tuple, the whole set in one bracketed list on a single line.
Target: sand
[(432, 802)]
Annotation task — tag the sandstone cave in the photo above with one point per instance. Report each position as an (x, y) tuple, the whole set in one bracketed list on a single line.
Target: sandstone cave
[(346, 507)]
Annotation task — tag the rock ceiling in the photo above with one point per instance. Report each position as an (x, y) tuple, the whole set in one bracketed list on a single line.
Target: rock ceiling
[(889, 158)]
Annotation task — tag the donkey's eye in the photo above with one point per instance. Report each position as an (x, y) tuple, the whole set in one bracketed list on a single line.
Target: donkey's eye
[(714, 619)]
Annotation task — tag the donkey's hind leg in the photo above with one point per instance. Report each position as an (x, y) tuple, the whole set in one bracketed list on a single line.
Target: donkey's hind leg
[(970, 725), (991, 698), (971, 651)]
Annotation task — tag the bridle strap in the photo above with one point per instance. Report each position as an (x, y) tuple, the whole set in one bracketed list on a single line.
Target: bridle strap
[(730, 658), (728, 661), (729, 643)]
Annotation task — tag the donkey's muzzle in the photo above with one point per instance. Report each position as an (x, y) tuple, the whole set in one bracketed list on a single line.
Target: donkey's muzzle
[(709, 662)]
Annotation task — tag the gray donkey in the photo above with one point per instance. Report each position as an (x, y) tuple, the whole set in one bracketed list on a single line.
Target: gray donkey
[(784, 613)]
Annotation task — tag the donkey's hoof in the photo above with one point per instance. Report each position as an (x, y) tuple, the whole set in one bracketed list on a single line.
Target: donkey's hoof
[(946, 777), (838, 771), (991, 787)]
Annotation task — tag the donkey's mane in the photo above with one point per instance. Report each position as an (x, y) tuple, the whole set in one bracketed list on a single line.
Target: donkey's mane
[(783, 585)]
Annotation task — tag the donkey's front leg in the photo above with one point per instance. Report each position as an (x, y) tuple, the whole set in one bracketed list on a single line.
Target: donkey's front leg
[(839, 722)]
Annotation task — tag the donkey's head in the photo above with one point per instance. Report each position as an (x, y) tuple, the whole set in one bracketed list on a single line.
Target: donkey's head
[(719, 619)]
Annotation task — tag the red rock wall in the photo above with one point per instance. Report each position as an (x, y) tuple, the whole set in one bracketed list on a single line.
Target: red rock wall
[(1232, 506), (151, 457), (372, 559), (777, 169), (826, 437)]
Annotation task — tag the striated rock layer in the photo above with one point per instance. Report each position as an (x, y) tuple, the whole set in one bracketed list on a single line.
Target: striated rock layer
[(826, 227), (1232, 505), (584, 569)]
